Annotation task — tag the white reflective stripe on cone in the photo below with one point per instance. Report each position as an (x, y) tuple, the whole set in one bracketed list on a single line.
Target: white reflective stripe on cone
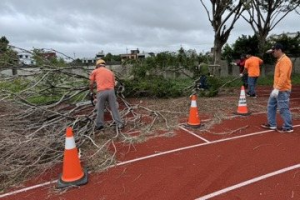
[(194, 104), (70, 143), (242, 102)]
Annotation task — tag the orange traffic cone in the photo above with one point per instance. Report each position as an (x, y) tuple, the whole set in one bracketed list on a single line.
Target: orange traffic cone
[(73, 174), (194, 120), (242, 107)]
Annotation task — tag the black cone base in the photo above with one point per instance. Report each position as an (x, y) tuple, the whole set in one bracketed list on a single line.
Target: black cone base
[(82, 181)]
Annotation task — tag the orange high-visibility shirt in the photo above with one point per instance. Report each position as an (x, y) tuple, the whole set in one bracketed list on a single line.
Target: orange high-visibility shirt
[(104, 78), (252, 64), (282, 74)]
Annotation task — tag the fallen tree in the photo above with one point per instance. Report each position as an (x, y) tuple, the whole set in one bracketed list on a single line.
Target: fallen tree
[(37, 109)]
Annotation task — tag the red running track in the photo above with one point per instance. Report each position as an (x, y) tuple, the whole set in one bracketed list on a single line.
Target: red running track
[(249, 164)]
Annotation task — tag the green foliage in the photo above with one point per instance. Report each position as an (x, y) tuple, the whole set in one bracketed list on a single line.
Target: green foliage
[(41, 60), (156, 87), (3, 44), (14, 86), (112, 58), (58, 62), (268, 80), (214, 83), (42, 99), (139, 69), (295, 79), (228, 53), (291, 44), (204, 58), (8, 57), (187, 59), (246, 44), (165, 61), (108, 57), (76, 62), (200, 70), (148, 82)]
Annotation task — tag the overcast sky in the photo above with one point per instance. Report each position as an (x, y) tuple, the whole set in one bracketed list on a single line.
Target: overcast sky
[(82, 28)]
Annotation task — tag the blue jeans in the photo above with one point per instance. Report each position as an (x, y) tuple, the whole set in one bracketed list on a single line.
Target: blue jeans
[(251, 85), (283, 104)]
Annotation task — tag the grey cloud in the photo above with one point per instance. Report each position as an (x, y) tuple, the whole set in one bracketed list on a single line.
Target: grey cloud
[(86, 27)]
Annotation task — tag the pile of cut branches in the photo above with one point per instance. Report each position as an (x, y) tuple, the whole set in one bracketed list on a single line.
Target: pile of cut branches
[(37, 109)]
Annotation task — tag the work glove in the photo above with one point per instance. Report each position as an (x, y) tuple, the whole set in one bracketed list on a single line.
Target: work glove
[(93, 98), (241, 74), (92, 95), (274, 93)]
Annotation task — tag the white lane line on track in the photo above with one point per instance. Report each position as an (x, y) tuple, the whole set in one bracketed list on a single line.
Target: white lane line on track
[(248, 182), (27, 189), (190, 147), (194, 146), (194, 134), (147, 157)]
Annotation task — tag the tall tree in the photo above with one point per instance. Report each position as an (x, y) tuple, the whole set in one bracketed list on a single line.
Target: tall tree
[(3, 45), (8, 57), (264, 15), (222, 15)]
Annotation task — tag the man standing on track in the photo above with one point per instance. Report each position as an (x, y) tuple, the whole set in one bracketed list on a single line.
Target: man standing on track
[(280, 95), (105, 80), (252, 65)]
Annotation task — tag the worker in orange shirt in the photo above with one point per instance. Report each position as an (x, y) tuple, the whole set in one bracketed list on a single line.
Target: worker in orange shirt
[(252, 66), (105, 81), (280, 95)]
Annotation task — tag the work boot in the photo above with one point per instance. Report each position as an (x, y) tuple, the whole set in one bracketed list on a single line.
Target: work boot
[(285, 130), (268, 126)]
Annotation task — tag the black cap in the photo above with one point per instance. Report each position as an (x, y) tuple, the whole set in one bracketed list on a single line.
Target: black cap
[(276, 46)]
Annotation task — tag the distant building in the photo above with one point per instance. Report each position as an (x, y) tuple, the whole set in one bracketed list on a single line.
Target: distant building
[(293, 34), (88, 61), (100, 55), (92, 61), (48, 54), (25, 58), (135, 54)]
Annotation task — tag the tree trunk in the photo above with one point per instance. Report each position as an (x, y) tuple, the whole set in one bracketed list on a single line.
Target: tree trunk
[(261, 48), (261, 44), (217, 52)]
